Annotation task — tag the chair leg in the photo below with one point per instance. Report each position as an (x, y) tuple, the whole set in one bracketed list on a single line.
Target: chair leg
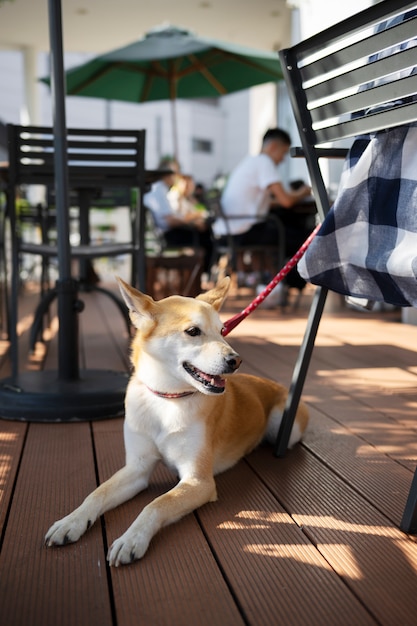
[(300, 372), (5, 328), (41, 310), (120, 305), (190, 285), (13, 314), (409, 519)]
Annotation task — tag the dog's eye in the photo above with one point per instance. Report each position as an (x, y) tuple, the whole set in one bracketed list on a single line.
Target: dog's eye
[(194, 331)]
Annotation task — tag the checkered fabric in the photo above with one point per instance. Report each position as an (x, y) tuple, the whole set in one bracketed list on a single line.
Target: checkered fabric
[(367, 245)]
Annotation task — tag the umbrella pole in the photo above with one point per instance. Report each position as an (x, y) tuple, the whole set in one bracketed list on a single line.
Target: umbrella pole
[(174, 127), (65, 285)]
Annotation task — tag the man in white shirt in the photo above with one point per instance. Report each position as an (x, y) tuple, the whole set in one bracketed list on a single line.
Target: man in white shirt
[(249, 191)]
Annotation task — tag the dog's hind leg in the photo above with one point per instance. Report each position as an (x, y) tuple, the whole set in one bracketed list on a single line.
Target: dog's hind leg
[(122, 486), (185, 497)]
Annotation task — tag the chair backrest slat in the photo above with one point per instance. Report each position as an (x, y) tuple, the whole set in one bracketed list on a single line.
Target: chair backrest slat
[(357, 77), (95, 157), (370, 71), (360, 50), (368, 19), (379, 120)]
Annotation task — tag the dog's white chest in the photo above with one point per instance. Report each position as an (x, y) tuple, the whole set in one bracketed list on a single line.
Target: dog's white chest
[(169, 425)]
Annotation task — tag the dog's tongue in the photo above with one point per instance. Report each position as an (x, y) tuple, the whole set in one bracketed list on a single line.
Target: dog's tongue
[(214, 381), (218, 381)]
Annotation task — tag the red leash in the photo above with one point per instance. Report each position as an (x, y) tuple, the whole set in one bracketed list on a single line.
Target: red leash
[(236, 319)]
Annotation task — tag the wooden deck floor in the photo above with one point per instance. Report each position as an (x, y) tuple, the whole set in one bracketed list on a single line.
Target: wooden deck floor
[(311, 538)]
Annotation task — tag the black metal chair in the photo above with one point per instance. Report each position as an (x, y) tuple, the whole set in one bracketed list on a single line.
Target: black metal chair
[(333, 78), (4, 297), (171, 269), (97, 160), (235, 254)]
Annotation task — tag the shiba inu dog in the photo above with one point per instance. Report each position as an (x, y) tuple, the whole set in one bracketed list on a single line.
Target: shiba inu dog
[(184, 408)]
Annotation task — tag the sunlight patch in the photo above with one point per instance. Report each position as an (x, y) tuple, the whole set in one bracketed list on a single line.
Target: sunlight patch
[(255, 519), (380, 377), (328, 521), (308, 555)]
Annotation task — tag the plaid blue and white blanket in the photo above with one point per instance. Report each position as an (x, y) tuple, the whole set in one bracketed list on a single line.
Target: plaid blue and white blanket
[(367, 245)]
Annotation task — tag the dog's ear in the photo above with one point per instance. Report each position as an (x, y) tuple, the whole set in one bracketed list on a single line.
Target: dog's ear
[(217, 295), (139, 304)]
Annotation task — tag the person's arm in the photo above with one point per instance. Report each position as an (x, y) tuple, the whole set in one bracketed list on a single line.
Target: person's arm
[(172, 221), (287, 199), (194, 219)]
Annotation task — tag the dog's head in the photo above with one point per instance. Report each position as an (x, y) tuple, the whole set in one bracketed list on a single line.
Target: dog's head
[(179, 343)]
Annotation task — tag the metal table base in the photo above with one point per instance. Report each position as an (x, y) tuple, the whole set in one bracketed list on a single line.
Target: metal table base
[(41, 397)]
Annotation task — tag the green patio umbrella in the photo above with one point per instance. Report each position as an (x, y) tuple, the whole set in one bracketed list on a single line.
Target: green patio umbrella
[(170, 63)]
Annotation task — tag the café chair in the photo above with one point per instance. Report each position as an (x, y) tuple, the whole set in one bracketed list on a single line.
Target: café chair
[(346, 82), (171, 269), (97, 160), (231, 258)]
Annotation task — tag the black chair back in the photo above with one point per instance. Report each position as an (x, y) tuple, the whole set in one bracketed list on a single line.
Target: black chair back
[(351, 79)]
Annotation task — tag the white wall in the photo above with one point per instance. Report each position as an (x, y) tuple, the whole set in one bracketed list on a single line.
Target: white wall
[(207, 123), (236, 136), (317, 15), (262, 115), (11, 80)]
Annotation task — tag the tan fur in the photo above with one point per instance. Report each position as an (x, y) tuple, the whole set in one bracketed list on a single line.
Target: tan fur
[(179, 349)]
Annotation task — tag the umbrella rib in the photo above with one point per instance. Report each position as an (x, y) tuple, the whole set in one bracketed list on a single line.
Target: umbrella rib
[(90, 80), (157, 69), (172, 73), (199, 66), (245, 61)]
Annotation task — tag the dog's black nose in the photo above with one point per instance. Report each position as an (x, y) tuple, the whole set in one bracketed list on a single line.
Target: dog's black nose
[(233, 362)]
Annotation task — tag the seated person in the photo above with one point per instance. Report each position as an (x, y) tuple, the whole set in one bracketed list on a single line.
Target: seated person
[(249, 190), (199, 195), (185, 204), (187, 230)]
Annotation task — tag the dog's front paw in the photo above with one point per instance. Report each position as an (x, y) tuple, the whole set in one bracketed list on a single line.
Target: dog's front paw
[(66, 530), (128, 548)]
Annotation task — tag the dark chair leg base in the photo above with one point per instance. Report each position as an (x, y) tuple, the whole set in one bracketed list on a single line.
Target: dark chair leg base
[(409, 520), (300, 372), (49, 297), (43, 397)]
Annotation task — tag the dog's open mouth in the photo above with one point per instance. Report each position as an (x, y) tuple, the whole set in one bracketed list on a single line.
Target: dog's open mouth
[(213, 383)]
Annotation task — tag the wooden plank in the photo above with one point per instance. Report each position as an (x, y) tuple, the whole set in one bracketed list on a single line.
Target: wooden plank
[(177, 583), (379, 437), (363, 547), (249, 552), (277, 574), (103, 339), (27, 306), (102, 323), (375, 426), (50, 586), (265, 358), (12, 436), (377, 477), (359, 400)]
